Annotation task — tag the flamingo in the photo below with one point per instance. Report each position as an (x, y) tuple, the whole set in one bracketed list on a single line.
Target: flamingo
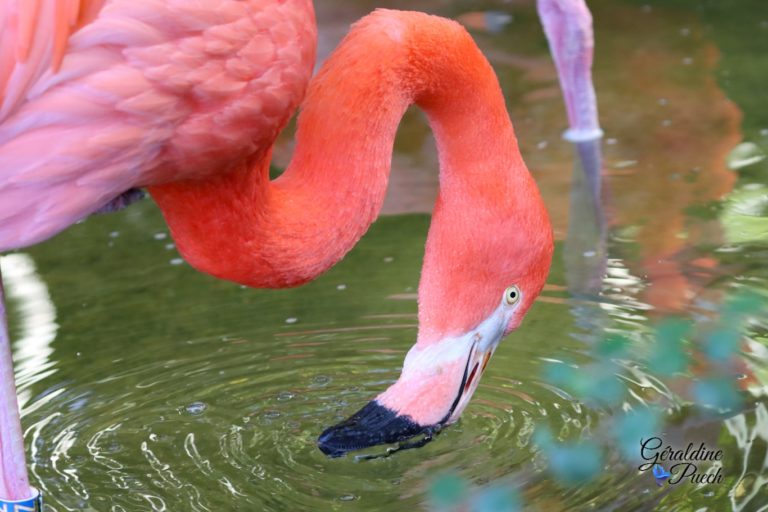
[(101, 97)]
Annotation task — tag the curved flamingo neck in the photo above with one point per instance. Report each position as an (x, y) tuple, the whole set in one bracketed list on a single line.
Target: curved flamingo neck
[(239, 226)]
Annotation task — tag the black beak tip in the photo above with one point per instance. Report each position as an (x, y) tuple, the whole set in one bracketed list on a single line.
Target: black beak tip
[(330, 443), (372, 425)]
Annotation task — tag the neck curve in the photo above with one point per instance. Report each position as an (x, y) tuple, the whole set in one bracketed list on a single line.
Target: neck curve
[(242, 227)]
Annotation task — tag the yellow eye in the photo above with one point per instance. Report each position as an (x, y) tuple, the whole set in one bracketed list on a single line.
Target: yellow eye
[(511, 295)]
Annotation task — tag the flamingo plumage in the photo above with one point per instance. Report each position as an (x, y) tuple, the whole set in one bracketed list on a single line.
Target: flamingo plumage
[(186, 99)]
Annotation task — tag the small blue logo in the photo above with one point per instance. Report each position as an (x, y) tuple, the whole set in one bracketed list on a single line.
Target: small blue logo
[(660, 474)]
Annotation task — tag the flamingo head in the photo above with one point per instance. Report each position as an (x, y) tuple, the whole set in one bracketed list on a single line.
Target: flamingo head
[(476, 287)]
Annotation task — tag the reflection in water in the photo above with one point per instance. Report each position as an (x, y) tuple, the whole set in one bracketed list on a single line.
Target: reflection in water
[(37, 325), (674, 130), (750, 433), (585, 251), (744, 214), (489, 21), (601, 289)]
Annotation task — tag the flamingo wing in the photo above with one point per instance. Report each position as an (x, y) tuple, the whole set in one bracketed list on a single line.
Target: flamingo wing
[(137, 92), (65, 148), (33, 39)]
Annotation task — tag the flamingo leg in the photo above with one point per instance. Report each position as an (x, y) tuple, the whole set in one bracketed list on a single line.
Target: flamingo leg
[(568, 26), (14, 483)]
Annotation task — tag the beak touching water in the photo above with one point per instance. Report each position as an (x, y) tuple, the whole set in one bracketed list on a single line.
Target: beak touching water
[(436, 384)]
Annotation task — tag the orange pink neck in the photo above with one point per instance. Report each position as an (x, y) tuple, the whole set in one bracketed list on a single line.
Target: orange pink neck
[(240, 226)]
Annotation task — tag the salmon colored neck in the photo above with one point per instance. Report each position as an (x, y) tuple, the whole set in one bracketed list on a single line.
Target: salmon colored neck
[(240, 226)]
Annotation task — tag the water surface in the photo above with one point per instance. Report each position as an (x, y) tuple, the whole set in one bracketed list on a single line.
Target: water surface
[(146, 385)]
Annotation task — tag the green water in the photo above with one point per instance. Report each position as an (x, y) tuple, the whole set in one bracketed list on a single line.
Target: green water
[(148, 386)]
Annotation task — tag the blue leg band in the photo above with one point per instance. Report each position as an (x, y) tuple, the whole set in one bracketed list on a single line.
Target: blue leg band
[(34, 504)]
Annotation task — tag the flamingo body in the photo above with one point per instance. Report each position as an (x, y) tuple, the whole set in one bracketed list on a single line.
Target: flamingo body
[(187, 98), (147, 92)]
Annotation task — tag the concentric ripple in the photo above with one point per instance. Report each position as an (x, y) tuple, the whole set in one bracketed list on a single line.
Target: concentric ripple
[(232, 425), (168, 390)]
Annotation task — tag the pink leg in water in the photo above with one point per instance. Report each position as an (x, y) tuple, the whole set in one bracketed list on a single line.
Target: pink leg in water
[(568, 26), (14, 483)]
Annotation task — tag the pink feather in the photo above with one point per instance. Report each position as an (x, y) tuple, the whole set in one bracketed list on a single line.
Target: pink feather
[(147, 91)]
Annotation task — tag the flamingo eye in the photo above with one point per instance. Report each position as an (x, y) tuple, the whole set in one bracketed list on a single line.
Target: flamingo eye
[(511, 295)]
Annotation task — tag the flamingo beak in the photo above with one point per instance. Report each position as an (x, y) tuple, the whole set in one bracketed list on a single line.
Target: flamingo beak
[(372, 425), (476, 365), (377, 424)]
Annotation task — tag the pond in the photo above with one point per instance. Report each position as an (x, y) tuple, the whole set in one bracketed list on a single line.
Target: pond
[(146, 385)]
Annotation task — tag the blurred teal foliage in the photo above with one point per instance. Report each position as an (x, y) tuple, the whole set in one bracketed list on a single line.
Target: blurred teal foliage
[(450, 493), (695, 355), (633, 425), (717, 393), (595, 384), (668, 355), (698, 355), (447, 491), (572, 463)]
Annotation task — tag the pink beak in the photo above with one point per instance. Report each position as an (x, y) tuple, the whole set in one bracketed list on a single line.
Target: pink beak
[(377, 424)]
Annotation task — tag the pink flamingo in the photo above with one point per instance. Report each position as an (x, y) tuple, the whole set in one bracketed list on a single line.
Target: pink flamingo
[(99, 97)]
